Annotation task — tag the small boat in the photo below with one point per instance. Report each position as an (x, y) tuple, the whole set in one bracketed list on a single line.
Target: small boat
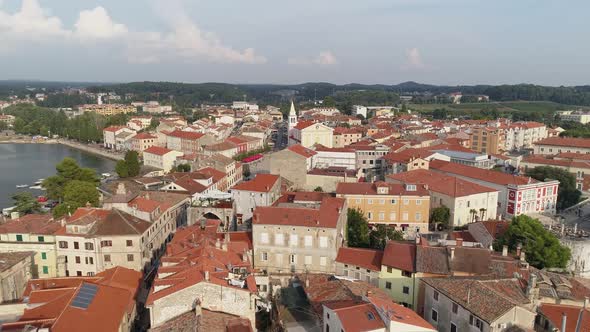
[(22, 185), (39, 187), (106, 175)]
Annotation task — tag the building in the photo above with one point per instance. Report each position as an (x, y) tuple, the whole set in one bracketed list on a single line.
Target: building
[(522, 135), (552, 317), (467, 201), (291, 163), (359, 264), (335, 157), (370, 160), (291, 237), (309, 133), (468, 158), (35, 233), (518, 194), (487, 140), (556, 145), (328, 179), (455, 305), (186, 142), (233, 169), (105, 302), (7, 119), (263, 190), (114, 137), (138, 123), (143, 141), (405, 207), (345, 136), (161, 158), (578, 116), (579, 169), (108, 109), (226, 148), (15, 272)]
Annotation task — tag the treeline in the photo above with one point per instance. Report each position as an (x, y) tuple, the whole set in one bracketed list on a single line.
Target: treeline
[(35, 120), (67, 100)]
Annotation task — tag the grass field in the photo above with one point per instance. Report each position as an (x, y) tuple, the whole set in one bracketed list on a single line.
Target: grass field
[(512, 106)]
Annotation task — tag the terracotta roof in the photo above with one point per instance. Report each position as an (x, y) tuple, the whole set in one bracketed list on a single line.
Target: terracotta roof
[(333, 171), (438, 182), (260, 183), (222, 146), (113, 129), (357, 316), (365, 188), (302, 197), (565, 142), (573, 156), (157, 150), (555, 162), (304, 124), (398, 313), (322, 148), (299, 149), (145, 136), (400, 255), (554, 313), (480, 174), (108, 222), (10, 259), (365, 258), (186, 134), (486, 299), (326, 216), (42, 224)]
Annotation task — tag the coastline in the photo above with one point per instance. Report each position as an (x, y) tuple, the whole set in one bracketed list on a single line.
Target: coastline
[(74, 145)]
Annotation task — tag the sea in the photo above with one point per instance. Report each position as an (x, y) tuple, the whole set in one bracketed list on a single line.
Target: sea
[(22, 164)]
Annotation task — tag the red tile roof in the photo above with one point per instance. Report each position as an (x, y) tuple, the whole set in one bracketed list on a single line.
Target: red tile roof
[(365, 258), (366, 188), (565, 142), (299, 149), (157, 150), (554, 313), (145, 136), (480, 174), (261, 183), (444, 184), (398, 313), (186, 134), (400, 255), (304, 124), (31, 224), (573, 156), (357, 316), (326, 216), (540, 160), (113, 129)]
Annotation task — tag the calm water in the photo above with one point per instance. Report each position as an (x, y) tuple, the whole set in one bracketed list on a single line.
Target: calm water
[(26, 163)]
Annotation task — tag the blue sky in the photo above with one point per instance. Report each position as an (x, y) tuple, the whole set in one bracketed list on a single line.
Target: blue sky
[(269, 41)]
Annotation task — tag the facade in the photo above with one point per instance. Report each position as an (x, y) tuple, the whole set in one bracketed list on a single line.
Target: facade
[(487, 140), (161, 158), (113, 137), (518, 194), (346, 136), (186, 142), (580, 116), (15, 272), (306, 238), (369, 159), (328, 178), (405, 207), (467, 201), (556, 145), (335, 157), (292, 164), (359, 264), (309, 133), (108, 109), (143, 141), (226, 148), (263, 190), (522, 135), (579, 169), (34, 233)]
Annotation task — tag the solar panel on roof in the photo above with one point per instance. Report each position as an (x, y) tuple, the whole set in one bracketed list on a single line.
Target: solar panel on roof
[(85, 296)]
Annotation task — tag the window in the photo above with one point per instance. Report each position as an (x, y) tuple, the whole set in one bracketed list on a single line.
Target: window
[(45, 269), (418, 202), (370, 215), (41, 238), (76, 245), (77, 259), (264, 256), (90, 274), (323, 242), (388, 285), (106, 243), (434, 315), (406, 290), (381, 215), (453, 327), (407, 274), (19, 238), (79, 273), (358, 201), (89, 246), (369, 201), (63, 244), (455, 308), (43, 255), (293, 240), (323, 261), (308, 260), (406, 201), (418, 216), (264, 238), (293, 259), (279, 239), (435, 295), (389, 270), (130, 243), (405, 216), (393, 201), (308, 241), (107, 258), (381, 201), (130, 257)]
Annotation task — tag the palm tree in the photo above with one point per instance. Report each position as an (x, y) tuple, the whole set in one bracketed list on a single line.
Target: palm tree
[(482, 213), (473, 213)]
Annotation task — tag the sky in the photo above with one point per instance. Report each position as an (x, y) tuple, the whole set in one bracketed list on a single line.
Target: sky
[(269, 41)]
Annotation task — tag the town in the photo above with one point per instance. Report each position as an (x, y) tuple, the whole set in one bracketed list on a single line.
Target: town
[(298, 216)]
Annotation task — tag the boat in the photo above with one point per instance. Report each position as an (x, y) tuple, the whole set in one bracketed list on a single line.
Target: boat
[(22, 185), (106, 175), (39, 187), (41, 199), (6, 212), (38, 182)]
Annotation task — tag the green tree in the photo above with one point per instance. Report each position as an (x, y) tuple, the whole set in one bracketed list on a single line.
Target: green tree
[(440, 216), (121, 169), (379, 236), (132, 161), (77, 194), (473, 213), (154, 123), (3, 126), (357, 229), (318, 189), (542, 248), (25, 203), (568, 194), (68, 170), (329, 102), (184, 168)]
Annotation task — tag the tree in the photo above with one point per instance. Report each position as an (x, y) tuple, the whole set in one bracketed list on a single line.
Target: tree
[(184, 168), (441, 216), (329, 102), (121, 169), (568, 194), (132, 161), (25, 203), (542, 248), (154, 123), (482, 213), (318, 189), (3, 126), (68, 170), (379, 236), (357, 229), (473, 213), (76, 194)]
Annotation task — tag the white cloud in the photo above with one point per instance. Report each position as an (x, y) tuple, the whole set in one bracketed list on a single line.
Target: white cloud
[(414, 59), (325, 58), (97, 23), (30, 22)]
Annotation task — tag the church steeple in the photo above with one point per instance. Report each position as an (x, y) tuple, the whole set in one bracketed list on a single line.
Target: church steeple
[(292, 117)]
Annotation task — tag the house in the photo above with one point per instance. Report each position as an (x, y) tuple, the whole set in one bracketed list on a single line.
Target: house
[(522, 135), (467, 201), (295, 237), (204, 269), (370, 160), (552, 317), (36, 233), (292, 164), (343, 136), (328, 178), (405, 207), (104, 302), (226, 148), (359, 264), (143, 141), (195, 184), (138, 123), (161, 158), (263, 190), (518, 194), (15, 272), (556, 145), (309, 133), (233, 169), (487, 140), (335, 157), (187, 142), (114, 137), (578, 168), (457, 304), (486, 232)]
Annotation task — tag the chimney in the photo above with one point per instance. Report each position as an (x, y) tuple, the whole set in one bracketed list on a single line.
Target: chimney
[(217, 244), (586, 302), (522, 257), (563, 321), (245, 256), (203, 223), (417, 239), (518, 249), (504, 251), (459, 242), (452, 253), (207, 275)]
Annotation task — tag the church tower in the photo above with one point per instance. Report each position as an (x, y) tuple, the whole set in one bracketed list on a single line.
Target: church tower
[(292, 118)]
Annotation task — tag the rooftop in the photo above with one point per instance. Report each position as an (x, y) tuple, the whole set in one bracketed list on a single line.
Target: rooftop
[(325, 217), (489, 176), (10, 259), (365, 258), (260, 183), (438, 182), (365, 188), (565, 142)]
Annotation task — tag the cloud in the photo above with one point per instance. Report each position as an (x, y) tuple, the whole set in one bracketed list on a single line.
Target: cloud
[(183, 40), (414, 59), (97, 23), (325, 58)]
